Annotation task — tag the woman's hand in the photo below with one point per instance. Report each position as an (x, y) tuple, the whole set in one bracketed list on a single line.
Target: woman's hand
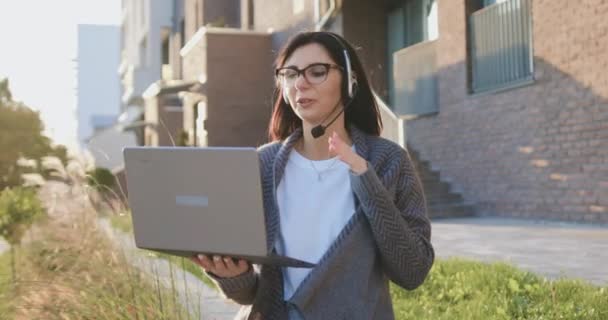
[(223, 267), (346, 154)]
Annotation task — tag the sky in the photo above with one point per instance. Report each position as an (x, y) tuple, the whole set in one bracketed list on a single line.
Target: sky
[(38, 51)]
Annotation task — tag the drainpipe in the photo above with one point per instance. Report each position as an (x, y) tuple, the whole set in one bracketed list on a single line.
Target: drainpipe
[(322, 22)]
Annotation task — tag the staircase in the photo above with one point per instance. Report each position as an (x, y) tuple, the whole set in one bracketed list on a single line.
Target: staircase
[(441, 201)]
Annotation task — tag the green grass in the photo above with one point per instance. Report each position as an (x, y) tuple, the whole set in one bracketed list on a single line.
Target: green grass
[(459, 289), (467, 290), (122, 222)]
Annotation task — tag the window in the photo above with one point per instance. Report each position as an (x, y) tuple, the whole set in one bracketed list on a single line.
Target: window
[(165, 50), (182, 31), (165, 70), (487, 3), (500, 46), (409, 22), (143, 52)]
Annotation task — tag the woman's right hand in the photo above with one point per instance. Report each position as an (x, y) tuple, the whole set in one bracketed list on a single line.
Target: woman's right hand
[(223, 267)]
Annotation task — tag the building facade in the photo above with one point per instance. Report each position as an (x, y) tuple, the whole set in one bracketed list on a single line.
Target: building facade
[(506, 101), (144, 25), (503, 104)]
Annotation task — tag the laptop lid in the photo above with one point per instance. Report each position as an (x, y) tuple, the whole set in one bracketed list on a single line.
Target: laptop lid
[(186, 199)]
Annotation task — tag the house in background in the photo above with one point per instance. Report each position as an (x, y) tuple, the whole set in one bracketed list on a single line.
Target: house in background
[(216, 84), (502, 104), (143, 25)]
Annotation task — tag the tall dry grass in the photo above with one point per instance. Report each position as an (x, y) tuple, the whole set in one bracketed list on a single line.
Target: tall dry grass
[(69, 269)]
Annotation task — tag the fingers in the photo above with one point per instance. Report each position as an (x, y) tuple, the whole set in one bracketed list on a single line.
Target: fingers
[(336, 142), (229, 263), (203, 261), (221, 266), (243, 265), (196, 260), (338, 147)]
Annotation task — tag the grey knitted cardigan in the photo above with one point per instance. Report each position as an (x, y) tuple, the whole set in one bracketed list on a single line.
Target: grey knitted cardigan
[(387, 238)]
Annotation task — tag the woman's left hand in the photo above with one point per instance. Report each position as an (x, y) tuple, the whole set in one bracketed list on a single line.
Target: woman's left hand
[(345, 153)]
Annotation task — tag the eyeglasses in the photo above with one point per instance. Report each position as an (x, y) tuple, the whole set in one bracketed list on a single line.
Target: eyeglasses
[(314, 73)]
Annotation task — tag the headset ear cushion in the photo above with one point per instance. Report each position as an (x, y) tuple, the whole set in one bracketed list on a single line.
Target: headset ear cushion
[(354, 88)]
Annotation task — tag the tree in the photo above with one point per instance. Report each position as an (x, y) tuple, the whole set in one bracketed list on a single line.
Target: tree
[(19, 208), (21, 136)]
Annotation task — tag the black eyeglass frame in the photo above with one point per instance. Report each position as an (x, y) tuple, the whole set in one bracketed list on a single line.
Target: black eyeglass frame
[(299, 72)]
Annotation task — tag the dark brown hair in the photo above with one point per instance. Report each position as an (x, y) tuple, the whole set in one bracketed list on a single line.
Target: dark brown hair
[(362, 111)]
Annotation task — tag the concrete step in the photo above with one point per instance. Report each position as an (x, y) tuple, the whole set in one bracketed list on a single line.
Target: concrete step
[(429, 178), (423, 167), (447, 198), (441, 202), (451, 210), (436, 189)]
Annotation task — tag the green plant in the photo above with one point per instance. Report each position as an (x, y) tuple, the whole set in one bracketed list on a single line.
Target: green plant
[(182, 138), (122, 222), (101, 179), (21, 132), (460, 289), (19, 209)]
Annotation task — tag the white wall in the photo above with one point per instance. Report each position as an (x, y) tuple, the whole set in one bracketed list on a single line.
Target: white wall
[(142, 23)]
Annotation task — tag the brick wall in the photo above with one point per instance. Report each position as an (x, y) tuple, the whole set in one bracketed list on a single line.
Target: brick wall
[(199, 13), (538, 151), (240, 89), (280, 17)]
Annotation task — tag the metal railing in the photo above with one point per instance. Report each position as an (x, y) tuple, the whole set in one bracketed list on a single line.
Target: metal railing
[(501, 45)]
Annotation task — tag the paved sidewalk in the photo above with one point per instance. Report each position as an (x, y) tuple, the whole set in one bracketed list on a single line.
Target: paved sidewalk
[(552, 249)]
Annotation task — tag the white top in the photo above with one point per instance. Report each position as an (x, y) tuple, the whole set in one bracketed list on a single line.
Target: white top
[(313, 211)]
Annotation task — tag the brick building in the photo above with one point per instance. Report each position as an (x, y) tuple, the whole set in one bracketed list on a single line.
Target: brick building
[(504, 104)]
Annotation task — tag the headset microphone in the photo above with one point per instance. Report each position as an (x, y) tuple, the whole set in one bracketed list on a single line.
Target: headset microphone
[(319, 130)]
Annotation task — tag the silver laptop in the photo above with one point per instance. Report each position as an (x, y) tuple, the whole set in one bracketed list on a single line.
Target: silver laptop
[(186, 201)]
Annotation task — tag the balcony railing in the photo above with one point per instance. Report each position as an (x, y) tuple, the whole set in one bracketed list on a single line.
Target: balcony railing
[(415, 78), (501, 45)]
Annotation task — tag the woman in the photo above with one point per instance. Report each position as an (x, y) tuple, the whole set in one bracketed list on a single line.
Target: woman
[(335, 194)]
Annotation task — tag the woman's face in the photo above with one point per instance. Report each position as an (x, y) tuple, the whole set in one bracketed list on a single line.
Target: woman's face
[(313, 103)]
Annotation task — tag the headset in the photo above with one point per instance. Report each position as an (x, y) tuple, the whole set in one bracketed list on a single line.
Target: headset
[(349, 87)]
